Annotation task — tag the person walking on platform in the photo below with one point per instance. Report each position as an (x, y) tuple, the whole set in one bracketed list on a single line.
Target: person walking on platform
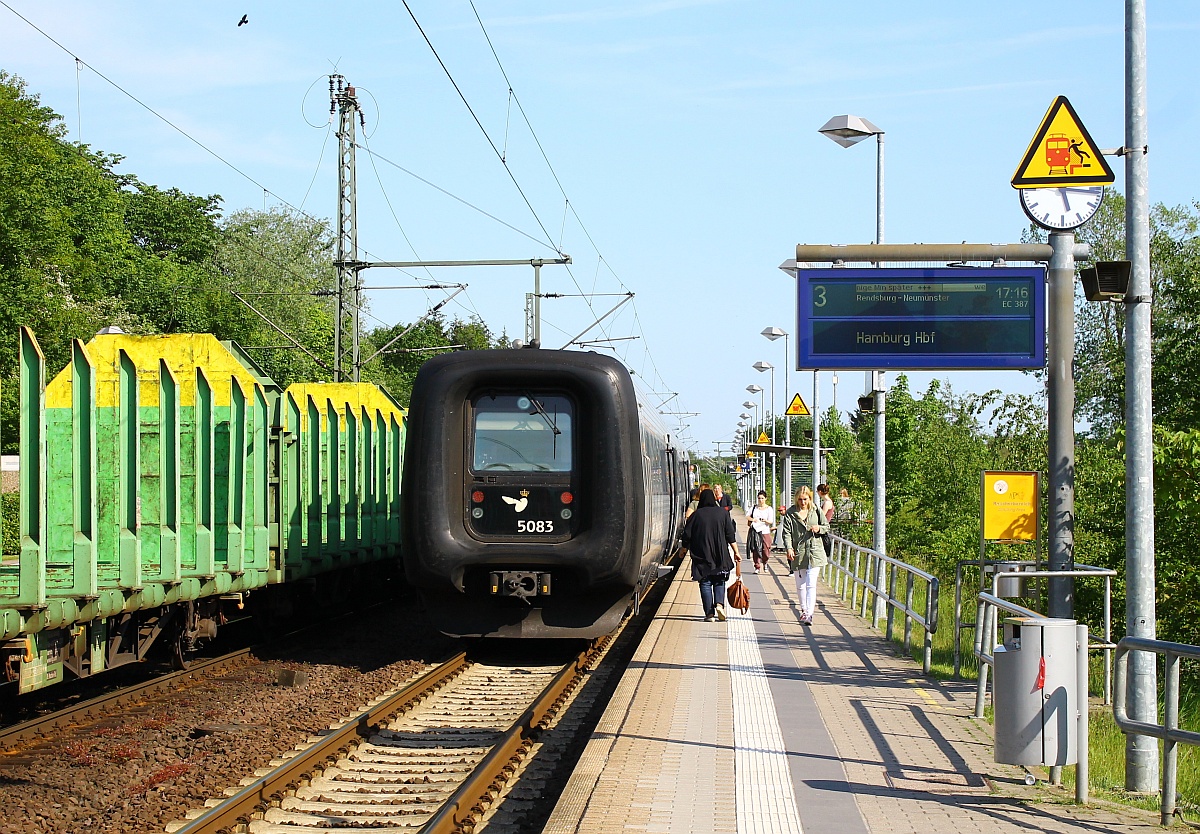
[(710, 537), (803, 528), (826, 508), (723, 500), (761, 520)]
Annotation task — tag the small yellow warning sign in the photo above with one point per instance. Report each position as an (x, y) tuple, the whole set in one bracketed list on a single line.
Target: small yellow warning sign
[(797, 408), (762, 437), (1062, 153)]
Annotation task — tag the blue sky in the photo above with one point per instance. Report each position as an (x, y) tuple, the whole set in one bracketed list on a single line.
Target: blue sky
[(683, 132)]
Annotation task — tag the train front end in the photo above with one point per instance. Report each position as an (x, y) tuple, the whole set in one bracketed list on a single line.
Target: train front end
[(515, 508)]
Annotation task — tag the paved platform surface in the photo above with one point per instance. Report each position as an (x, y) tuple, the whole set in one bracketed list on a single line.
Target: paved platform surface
[(759, 724)]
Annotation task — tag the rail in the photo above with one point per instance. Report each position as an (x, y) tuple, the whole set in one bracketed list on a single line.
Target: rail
[(862, 572), (985, 624), (1169, 730), (1021, 571)]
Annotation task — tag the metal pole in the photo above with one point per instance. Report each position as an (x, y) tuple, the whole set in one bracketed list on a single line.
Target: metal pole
[(816, 421), (1141, 752), (880, 485), (880, 403), (537, 302), (787, 426), (879, 188), (774, 456), (1082, 775), (762, 428), (1060, 340), (343, 97)]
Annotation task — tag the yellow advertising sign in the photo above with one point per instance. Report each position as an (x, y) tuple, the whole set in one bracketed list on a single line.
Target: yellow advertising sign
[(797, 408), (1062, 153), (1009, 502)]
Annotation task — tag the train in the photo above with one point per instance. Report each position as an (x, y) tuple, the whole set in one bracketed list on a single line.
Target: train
[(540, 494), (166, 479)]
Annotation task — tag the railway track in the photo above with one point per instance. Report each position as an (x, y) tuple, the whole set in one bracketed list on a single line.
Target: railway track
[(102, 706), (434, 756), (429, 757)]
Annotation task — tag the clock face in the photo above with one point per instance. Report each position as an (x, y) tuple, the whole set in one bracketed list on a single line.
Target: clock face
[(1067, 207)]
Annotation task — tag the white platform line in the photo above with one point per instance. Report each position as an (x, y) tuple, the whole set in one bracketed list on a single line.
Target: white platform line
[(765, 797)]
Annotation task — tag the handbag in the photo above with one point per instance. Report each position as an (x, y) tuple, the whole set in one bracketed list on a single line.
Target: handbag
[(737, 593)]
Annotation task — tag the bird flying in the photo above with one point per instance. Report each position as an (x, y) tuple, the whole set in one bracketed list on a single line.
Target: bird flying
[(245, 19)]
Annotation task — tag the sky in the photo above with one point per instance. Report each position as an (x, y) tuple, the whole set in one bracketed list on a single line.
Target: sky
[(670, 148)]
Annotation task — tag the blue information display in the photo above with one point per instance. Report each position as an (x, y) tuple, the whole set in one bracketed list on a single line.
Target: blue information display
[(950, 318)]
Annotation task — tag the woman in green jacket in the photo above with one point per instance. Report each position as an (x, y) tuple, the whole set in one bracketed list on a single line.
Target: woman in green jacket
[(803, 528)]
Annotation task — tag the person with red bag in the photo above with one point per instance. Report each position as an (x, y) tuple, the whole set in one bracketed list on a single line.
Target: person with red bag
[(711, 539)]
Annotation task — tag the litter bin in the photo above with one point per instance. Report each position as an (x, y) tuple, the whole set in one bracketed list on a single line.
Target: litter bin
[(1034, 692)]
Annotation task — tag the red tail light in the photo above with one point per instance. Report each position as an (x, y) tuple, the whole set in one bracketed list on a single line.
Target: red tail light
[(477, 497), (567, 497)]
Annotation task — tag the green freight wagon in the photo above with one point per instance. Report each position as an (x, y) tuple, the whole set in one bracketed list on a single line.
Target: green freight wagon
[(163, 480)]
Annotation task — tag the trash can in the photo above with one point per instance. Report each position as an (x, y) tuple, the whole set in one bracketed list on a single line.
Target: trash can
[(1034, 692)]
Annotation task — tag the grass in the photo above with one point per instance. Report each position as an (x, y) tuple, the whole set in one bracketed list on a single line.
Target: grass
[(1106, 742)]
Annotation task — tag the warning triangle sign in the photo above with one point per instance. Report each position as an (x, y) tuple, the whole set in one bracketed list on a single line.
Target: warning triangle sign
[(797, 408), (1062, 153), (762, 437)]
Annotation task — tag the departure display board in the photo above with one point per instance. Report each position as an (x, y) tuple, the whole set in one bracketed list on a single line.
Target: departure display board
[(949, 318)]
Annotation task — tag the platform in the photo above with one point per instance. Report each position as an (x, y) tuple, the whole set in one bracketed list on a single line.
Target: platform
[(759, 724)]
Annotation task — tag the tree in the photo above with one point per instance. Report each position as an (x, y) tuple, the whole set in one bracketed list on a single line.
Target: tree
[(396, 368)]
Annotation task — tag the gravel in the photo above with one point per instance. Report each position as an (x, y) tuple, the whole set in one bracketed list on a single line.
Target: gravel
[(147, 766)]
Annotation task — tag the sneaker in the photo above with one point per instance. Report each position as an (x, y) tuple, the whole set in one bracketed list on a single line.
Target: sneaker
[(721, 613), (709, 618)]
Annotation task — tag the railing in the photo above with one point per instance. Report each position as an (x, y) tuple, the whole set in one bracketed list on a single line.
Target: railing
[(862, 572), (985, 623), (1169, 730)]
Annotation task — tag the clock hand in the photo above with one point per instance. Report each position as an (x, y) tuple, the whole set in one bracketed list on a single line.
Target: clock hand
[(1066, 202)]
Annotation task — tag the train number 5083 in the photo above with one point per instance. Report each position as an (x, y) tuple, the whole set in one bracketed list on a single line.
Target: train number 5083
[(535, 526)]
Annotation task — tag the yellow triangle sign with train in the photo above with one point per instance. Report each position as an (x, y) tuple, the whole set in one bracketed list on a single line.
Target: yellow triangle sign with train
[(797, 408), (762, 438), (1062, 153)]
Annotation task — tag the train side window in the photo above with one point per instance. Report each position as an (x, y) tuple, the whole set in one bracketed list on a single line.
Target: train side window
[(522, 433)]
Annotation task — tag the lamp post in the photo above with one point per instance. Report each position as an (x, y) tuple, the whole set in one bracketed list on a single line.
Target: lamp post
[(753, 406), (762, 423), (774, 333), (762, 367), (846, 131)]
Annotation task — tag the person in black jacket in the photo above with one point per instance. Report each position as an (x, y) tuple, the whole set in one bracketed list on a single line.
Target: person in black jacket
[(710, 537)]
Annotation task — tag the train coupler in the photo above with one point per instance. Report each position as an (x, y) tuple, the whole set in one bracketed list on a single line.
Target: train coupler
[(522, 584)]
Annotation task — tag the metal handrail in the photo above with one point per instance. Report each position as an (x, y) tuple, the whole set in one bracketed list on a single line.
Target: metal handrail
[(1169, 730), (844, 563), (1022, 569), (985, 623)]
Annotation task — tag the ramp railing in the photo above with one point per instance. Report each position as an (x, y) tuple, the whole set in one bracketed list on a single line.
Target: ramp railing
[(857, 573), (1169, 730)]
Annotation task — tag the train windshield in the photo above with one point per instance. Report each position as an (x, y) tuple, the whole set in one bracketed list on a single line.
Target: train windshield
[(523, 433)]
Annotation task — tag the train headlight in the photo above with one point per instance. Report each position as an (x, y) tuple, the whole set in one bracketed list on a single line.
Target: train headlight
[(565, 512), (477, 512)]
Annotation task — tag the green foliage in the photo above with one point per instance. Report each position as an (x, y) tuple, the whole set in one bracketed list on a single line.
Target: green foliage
[(406, 347), (10, 518)]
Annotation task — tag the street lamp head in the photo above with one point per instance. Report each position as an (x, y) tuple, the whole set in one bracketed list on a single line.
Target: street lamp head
[(774, 333), (849, 130), (763, 366), (745, 415), (753, 389), (749, 404)]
